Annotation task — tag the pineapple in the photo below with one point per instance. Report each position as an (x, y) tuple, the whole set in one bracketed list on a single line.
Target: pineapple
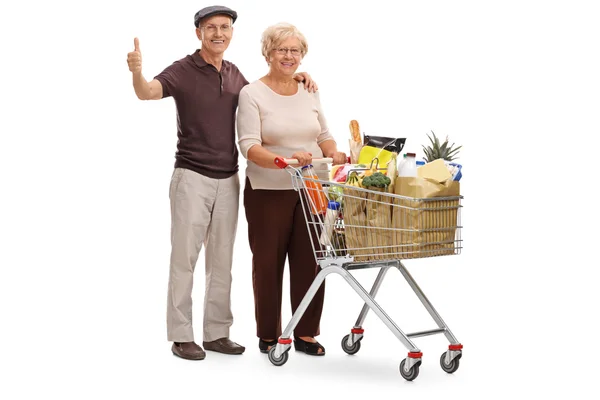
[(443, 151)]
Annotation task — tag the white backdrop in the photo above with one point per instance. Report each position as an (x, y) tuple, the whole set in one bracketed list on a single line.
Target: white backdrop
[(85, 169)]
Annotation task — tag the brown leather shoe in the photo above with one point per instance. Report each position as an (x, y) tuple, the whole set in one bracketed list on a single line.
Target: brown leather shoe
[(224, 345), (188, 350)]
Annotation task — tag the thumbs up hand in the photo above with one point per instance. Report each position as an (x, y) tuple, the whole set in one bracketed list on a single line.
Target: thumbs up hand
[(134, 58)]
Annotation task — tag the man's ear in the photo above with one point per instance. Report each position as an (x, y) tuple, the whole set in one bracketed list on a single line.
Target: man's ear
[(199, 33)]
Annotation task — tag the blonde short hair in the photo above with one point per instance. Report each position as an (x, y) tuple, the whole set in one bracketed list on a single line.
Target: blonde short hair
[(277, 33)]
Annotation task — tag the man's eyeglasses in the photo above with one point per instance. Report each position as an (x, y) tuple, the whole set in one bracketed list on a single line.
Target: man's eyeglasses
[(213, 28), (283, 51)]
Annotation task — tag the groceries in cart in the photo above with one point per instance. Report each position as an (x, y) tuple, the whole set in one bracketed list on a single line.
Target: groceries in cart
[(396, 216), (388, 206)]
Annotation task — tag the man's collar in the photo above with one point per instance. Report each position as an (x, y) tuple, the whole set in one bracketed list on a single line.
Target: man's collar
[(198, 59), (201, 62)]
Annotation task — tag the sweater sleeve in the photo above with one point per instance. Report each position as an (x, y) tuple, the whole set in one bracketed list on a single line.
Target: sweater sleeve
[(324, 135), (248, 122)]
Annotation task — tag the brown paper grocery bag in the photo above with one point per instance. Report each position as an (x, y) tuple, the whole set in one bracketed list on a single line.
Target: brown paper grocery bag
[(379, 223), (423, 188), (355, 221), (425, 226)]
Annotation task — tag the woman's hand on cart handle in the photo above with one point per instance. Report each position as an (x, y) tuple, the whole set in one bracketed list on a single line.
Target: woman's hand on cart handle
[(304, 158), (340, 158)]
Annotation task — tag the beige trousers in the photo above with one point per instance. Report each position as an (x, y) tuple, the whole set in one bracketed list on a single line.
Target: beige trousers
[(203, 211)]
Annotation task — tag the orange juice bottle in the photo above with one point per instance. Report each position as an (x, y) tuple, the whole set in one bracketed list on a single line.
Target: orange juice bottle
[(315, 193)]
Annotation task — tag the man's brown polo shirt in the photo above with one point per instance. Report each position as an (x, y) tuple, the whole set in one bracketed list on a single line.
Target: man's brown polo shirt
[(206, 102)]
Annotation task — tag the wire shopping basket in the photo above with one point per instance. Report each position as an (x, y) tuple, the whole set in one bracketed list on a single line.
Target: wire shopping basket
[(354, 228)]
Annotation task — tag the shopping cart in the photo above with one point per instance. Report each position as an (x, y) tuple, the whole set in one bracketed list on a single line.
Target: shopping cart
[(373, 229)]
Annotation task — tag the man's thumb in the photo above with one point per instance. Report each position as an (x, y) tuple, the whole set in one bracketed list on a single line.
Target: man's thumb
[(136, 44)]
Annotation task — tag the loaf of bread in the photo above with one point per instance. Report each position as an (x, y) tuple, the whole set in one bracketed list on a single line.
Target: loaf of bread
[(355, 131)]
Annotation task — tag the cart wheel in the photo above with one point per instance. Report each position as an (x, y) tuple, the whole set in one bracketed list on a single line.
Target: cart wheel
[(277, 361), (350, 349), (453, 366), (412, 373)]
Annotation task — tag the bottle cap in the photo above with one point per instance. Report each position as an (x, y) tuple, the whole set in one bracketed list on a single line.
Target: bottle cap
[(333, 205), (411, 155), (306, 166)]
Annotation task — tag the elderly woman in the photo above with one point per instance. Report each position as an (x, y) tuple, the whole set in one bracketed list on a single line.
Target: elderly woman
[(278, 117)]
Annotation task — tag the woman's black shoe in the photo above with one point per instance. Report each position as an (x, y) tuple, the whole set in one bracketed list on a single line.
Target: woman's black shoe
[(264, 345), (309, 347)]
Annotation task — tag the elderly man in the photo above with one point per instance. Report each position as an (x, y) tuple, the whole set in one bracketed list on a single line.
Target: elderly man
[(204, 189)]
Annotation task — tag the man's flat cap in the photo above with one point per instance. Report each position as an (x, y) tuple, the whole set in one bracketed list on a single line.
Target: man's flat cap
[(213, 10)]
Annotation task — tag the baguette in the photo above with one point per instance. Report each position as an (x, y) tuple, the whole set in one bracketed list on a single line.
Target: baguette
[(355, 131)]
